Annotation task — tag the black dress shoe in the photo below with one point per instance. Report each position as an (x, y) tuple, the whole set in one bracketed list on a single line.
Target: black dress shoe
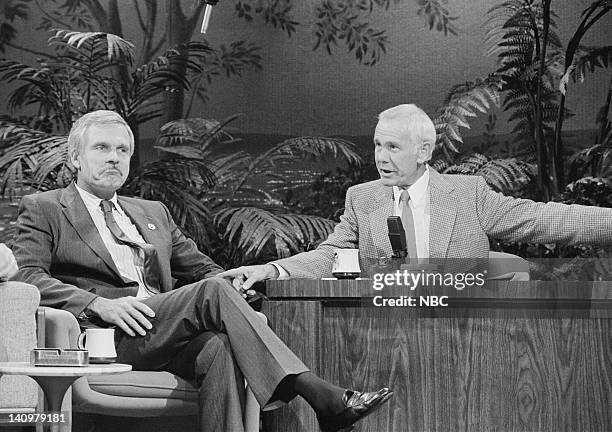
[(358, 405)]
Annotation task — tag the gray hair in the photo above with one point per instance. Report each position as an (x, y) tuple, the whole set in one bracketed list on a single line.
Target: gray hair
[(415, 122), (94, 118)]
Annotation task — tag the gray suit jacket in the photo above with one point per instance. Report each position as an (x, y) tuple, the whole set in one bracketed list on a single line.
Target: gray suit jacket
[(59, 250), (464, 212)]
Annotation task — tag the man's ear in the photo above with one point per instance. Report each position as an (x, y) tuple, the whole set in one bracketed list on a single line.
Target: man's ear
[(74, 159), (425, 151)]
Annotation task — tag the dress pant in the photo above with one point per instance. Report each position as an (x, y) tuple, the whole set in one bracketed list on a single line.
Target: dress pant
[(207, 332)]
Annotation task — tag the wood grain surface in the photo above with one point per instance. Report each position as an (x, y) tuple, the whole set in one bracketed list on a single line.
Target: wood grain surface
[(500, 372)]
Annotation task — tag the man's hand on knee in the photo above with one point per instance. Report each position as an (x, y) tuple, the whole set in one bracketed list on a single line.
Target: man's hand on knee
[(244, 277), (128, 313)]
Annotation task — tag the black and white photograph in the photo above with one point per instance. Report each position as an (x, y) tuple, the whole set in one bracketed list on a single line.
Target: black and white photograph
[(305, 216)]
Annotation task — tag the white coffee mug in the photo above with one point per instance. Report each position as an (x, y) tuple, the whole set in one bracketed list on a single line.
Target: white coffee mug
[(346, 264), (100, 343)]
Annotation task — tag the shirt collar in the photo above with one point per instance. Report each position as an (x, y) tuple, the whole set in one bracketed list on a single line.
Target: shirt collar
[(417, 191), (92, 202)]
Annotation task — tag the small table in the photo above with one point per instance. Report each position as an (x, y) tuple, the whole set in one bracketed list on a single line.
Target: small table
[(55, 380)]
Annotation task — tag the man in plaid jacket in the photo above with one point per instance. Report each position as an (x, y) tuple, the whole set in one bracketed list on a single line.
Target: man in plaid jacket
[(453, 215)]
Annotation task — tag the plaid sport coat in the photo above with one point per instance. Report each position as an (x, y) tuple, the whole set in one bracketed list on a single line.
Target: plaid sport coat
[(464, 213)]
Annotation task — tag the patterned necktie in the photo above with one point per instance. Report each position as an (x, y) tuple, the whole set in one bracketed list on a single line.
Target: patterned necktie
[(150, 267), (408, 222)]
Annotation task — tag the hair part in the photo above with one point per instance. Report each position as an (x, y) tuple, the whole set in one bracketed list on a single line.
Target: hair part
[(94, 118)]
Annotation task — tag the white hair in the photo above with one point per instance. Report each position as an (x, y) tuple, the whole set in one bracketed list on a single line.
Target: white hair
[(94, 118), (413, 121)]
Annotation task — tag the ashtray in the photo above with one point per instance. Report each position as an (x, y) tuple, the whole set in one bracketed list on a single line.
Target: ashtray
[(59, 357)]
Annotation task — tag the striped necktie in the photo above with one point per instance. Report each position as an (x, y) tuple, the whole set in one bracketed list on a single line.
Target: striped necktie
[(150, 272), (408, 222)]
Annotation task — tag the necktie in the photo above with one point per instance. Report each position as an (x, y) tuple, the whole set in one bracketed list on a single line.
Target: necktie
[(408, 222), (150, 266)]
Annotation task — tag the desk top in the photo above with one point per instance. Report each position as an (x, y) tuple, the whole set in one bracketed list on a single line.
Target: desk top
[(25, 368), (508, 290), (561, 299)]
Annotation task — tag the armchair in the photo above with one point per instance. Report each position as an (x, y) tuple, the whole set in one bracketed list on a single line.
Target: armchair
[(505, 266), (18, 303), (133, 397)]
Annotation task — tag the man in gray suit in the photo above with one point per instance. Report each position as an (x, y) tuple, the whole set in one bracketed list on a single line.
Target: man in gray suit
[(445, 216), (112, 261)]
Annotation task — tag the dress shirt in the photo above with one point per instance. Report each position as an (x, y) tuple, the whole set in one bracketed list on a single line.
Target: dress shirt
[(419, 203), (129, 261)]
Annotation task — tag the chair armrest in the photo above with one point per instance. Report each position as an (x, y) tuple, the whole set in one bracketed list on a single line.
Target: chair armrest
[(18, 303), (62, 331), (61, 328)]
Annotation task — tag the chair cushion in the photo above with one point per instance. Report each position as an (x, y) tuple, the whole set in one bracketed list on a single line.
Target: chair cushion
[(144, 384)]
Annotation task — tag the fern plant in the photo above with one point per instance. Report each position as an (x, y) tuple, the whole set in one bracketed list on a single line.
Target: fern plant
[(463, 102), (522, 35)]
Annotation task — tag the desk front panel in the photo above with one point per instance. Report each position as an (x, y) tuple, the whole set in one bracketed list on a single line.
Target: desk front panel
[(485, 369)]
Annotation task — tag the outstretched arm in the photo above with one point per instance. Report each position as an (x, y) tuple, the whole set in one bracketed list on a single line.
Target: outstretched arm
[(524, 220)]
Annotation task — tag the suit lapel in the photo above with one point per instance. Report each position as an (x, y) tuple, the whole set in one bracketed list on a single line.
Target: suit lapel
[(380, 209), (144, 222), (443, 210), (77, 214)]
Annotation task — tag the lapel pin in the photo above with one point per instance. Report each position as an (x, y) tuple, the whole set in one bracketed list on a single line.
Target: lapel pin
[(151, 226)]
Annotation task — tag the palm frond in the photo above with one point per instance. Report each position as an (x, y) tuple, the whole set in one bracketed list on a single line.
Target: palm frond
[(302, 148), (32, 158), (187, 174), (178, 183), (229, 168), (89, 43), (255, 229), (195, 132)]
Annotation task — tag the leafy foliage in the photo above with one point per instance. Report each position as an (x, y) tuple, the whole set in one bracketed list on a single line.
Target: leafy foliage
[(256, 228), (32, 158), (12, 11), (437, 16), (274, 12), (587, 59), (463, 102), (229, 61), (503, 175), (514, 36), (594, 161), (247, 219), (592, 191), (343, 21), (177, 182)]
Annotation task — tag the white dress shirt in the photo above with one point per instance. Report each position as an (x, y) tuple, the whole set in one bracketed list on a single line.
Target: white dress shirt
[(419, 204), (129, 261)]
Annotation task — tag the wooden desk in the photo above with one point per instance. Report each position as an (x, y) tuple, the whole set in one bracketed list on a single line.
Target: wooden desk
[(510, 356)]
